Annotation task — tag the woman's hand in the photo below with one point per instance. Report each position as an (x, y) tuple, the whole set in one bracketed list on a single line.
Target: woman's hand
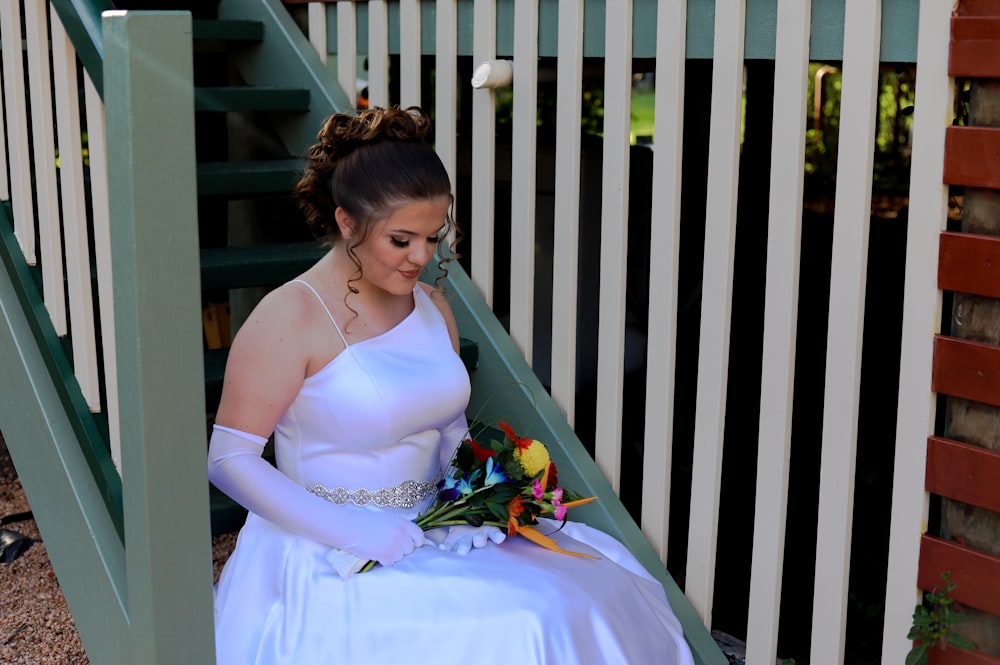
[(385, 538), (461, 539)]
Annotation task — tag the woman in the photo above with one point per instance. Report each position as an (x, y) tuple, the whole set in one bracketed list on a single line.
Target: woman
[(354, 368)]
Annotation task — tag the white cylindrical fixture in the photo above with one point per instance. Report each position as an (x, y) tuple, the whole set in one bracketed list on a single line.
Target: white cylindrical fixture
[(493, 74)]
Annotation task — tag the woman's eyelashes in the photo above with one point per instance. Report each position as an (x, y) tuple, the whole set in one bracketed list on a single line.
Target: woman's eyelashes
[(405, 242)]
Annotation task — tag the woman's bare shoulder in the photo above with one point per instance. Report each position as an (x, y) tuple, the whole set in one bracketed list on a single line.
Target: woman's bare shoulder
[(267, 361), (440, 300)]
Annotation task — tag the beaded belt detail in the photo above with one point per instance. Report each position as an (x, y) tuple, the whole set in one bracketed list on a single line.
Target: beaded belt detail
[(406, 494)]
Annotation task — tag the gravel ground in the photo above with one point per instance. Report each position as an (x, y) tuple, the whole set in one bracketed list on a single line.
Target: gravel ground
[(36, 626)]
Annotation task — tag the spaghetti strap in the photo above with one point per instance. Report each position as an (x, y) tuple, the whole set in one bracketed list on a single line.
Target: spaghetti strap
[(325, 309)]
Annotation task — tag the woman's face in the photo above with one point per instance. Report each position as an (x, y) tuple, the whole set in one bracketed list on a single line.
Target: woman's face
[(398, 247)]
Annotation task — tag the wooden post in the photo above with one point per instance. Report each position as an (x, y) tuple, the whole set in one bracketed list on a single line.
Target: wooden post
[(978, 318)]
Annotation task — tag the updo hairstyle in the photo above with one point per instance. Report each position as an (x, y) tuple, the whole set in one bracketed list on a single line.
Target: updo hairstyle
[(371, 164)]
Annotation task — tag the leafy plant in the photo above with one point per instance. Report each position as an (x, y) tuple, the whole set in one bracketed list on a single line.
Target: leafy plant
[(934, 621)]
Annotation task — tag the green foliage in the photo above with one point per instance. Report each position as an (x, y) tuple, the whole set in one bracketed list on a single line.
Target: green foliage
[(933, 623)]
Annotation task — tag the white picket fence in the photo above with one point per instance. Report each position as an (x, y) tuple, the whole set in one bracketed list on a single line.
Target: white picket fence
[(51, 223), (922, 308)]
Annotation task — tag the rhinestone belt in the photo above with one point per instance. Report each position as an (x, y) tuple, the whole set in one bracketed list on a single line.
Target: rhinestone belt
[(406, 494)]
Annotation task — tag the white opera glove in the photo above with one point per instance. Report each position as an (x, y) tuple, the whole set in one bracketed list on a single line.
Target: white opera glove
[(236, 467), (461, 538)]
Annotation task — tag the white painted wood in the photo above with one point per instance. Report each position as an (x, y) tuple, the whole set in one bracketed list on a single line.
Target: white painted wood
[(317, 28), (664, 237), (784, 232), (446, 88), (614, 239), (484, 148), (916, 409), (522, 203), (852, 213), (378, 53), (74, 215), (44, 148), (717, 287), (4, 178), (17, 132), (97, 148), (347, 49), (409, 52), (565, 277)]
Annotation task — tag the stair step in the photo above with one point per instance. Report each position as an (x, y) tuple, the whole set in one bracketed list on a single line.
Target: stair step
[(227, 30), (256, 265), (246, 98), (252, 178)]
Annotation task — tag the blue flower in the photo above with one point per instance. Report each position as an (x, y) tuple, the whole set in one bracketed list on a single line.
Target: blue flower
[(465, 487), (494, 474), (449, 492)]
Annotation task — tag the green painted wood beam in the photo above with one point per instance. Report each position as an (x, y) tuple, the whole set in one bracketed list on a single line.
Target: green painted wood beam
[(253, 178), (505, 388), (257, 265), (246, 98), (899, 29), (236, 31), (154, 231), (82, 20), (80, 536)]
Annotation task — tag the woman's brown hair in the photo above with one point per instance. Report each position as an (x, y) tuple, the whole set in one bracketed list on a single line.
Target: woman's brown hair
[(370, 165)]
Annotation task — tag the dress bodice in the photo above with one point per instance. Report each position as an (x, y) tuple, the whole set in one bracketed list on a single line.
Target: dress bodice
[(372, 417)]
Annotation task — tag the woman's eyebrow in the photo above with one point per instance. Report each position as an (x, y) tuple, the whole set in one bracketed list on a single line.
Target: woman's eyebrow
[(408, 232)]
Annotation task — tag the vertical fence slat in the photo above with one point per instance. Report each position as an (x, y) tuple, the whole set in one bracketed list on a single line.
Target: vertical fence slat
[(317, 28), (97, 148), (791, 82), (862, 22), (44, 144), (4, 166), (522, 205), (409, 52), (614, 238), (565, 276), (378, 53), (713, 352), (484, 148), (446, 86), (347, 49), (916, 409), (671, 22), (78, 278), (17, 130)]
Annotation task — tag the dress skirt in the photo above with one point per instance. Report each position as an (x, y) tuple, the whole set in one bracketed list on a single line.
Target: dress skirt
[(280, 601)]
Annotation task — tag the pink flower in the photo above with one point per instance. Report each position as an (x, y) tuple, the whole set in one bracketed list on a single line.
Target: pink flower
[(557, 494), (536, 489), (561, 512)]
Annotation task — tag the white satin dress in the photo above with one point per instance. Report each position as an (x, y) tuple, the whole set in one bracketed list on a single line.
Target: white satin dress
[(374, 418)]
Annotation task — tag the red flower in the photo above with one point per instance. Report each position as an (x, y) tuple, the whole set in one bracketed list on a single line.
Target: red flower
[(553, 476), (520, 442), (482, 454)]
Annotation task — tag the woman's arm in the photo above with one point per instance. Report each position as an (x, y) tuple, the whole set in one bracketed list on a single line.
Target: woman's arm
[(270, 357)]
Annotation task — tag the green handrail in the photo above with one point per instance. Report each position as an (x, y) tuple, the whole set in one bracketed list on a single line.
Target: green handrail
[(82, 21)]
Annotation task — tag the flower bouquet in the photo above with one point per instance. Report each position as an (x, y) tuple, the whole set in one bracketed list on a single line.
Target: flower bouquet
[(507, 484)]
